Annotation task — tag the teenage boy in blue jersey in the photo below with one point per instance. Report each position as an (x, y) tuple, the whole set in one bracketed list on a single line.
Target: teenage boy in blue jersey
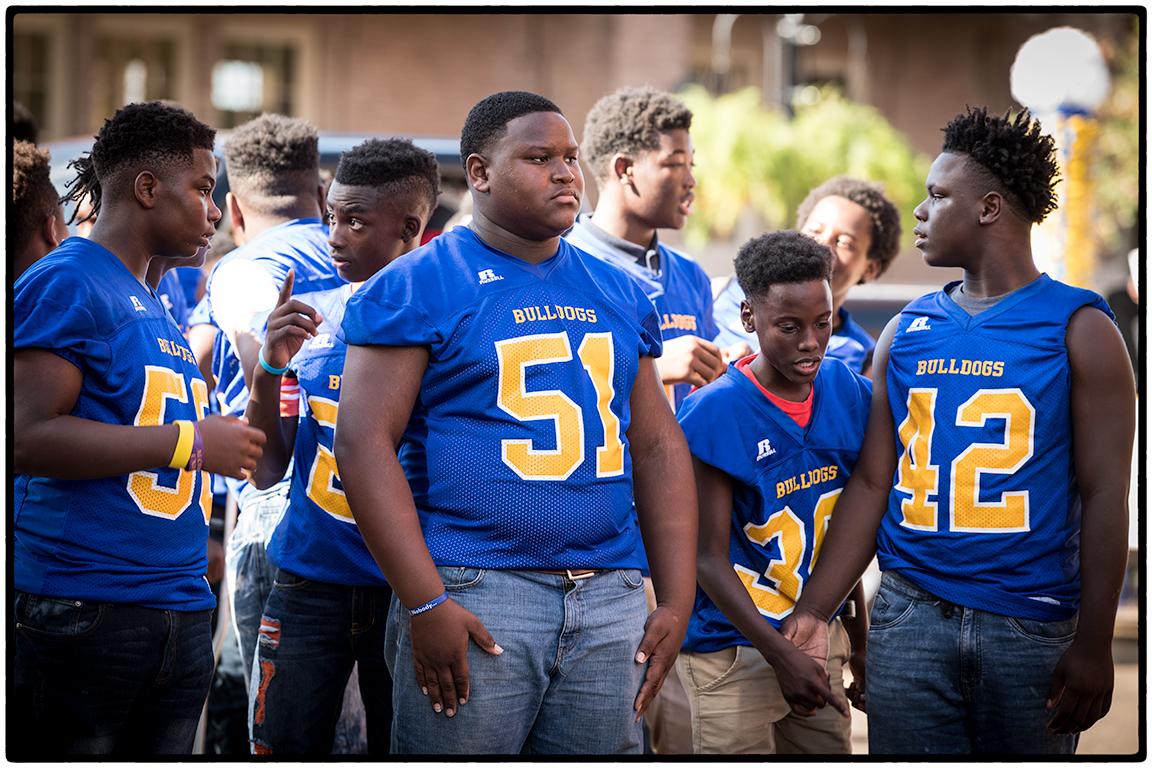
[(275, 205), (113, 445), (862, 227), (1001, 516), (522, 385), (329, 606), (767, 486)]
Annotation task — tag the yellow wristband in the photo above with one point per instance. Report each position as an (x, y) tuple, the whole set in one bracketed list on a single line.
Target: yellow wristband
[(183, 445)]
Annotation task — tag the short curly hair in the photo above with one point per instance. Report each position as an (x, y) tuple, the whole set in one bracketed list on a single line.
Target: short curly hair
[(148, 135), (488, 120), (784, 256), (1010, 153), (273, 161), (629, 121), (882, 212), (34, 197), (395, 163)]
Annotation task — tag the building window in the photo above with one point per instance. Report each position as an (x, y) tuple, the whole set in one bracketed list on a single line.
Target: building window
[(253, 78), (30, 57), (131, 70)]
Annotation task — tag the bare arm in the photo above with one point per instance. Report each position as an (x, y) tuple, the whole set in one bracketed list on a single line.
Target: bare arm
[(665, 497), (1103, 401), (803, 681), (50, 442), (370, 423)]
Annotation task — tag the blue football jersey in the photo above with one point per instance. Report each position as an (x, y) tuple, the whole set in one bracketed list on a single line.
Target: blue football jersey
[(681, 291), (171, 295), (138, 538), (317, 538), (786, 480), (301, 245), (850, 343), (985, 510), (518, 454)]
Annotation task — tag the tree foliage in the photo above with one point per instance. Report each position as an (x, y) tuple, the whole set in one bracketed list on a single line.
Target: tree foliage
[(753, 157), (1118, 160)]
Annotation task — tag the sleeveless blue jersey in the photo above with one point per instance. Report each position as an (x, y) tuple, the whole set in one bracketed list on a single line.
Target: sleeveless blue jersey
[(139, 538), (518, 452), (681, 291), (300, 244), (850, 343), (317, 538), (785, 483), (985, 510)]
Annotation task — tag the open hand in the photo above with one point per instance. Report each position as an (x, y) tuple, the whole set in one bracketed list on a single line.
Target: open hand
[(440, 653)]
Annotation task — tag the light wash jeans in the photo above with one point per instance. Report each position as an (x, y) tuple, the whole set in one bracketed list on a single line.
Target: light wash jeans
[(565, 683), (945, 679)]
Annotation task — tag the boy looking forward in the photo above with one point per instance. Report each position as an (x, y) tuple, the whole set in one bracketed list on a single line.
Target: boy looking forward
[(113, 445), (329, 604), (767, 487), (537, 409), (1001, 515)]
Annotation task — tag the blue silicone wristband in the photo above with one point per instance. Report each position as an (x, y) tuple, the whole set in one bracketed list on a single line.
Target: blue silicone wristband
[(429, 605), (270, 369)]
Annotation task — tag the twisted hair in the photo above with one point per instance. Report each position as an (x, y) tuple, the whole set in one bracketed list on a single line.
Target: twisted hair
[(488, 121), (34, 197), (145, 136), (629, 121), (784, 256), (1011, 155), (407, 170), (273, 162), (882, 213)]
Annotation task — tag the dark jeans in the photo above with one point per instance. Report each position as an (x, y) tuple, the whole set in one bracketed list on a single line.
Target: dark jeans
[(311, 634), (106, 678)]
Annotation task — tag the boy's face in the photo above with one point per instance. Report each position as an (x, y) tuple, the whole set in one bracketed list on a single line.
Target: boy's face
[(793, 323), (184, 199), (846, 228), (661, 182), (366, 229), (534, 184), (950, 216)]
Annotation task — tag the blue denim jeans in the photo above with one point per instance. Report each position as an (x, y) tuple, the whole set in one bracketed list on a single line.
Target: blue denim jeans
[(311, 634), (945, 679), (106, 678), (250, 572), (565, 683)]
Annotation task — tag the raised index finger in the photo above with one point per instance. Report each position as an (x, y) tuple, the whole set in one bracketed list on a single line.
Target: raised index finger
[(286, 289)]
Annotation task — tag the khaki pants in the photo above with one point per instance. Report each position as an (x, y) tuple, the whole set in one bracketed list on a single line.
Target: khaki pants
[(668, 717), (737, 706)]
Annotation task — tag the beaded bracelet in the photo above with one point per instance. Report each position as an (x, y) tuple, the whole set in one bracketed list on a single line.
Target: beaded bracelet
[(429, 605), (270, 369), (183, 445)]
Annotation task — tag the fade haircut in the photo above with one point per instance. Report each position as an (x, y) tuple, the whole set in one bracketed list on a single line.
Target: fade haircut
[(34, 197), (775, 258), (145, 136), (487, 122), (1011, 156), (273, 162), (629, 121), (398, 165), (882, 213)]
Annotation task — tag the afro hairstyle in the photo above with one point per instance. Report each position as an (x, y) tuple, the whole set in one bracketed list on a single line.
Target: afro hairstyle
[(1011, 154), (34, 197), (882, 213), (629, 121), (488, 120), (395, 163), (785, 256)]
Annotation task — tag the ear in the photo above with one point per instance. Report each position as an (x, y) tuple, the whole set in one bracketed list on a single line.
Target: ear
[(411, 229), (321, 199), (476, 168), (48, 232), (871, 272), (991, 206), (747, 318), (235, 214), (145, 187), (622, 168)]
